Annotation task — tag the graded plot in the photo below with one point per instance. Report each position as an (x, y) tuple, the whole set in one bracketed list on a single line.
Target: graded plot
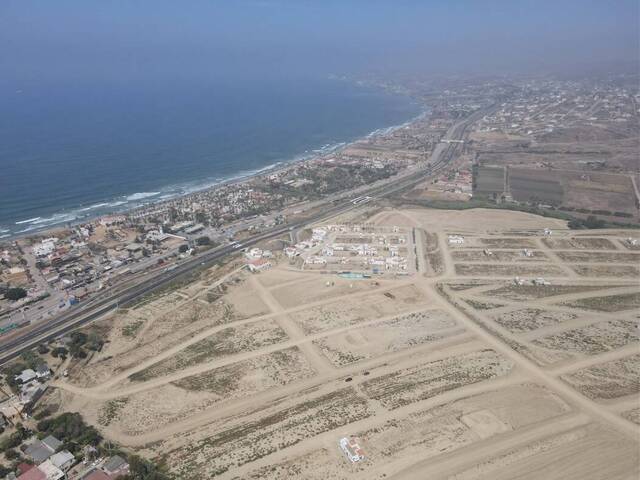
[(529, 319), (512, 291), (465, 285), (632, 415), (599, 257), (248, 437), (615, 271), (499, 256), (609, 303), (319, 464), (388, 336), (583, 243), (433, 378), (245, 302), (149, 410), (229, 341), (317, 288), (339, 314), (609, 380), (508, 243), (585, 452), (133, 340), (276, 276), (481, 304), (250, 376), (592, 339), (488, 269), (430, 432)]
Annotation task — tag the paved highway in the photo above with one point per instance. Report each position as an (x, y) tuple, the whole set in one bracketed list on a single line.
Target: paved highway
[(97, 307)]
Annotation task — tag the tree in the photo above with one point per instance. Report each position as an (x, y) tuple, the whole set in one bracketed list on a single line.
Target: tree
[(59, 352), (183, 248), (15, 293), (204, 240), (11, 454)]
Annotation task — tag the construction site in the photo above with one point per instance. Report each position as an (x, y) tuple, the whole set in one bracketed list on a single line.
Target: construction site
[(495, 353)]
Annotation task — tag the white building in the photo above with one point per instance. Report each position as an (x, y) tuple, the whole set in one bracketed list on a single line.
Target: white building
[(46, 247), (456, 239), (351, 449), (51, 471)]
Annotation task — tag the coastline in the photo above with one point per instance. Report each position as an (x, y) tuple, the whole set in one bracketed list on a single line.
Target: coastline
[(138, 200)]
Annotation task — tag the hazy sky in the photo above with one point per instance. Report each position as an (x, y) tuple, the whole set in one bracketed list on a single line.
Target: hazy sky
[(131, 41)]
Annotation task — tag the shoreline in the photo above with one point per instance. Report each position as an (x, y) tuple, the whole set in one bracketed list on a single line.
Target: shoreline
[(184, 190)]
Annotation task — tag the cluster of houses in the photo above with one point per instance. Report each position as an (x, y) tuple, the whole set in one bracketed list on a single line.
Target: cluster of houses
[(347, 244), (258, 259), (52, 462), (31, 385)]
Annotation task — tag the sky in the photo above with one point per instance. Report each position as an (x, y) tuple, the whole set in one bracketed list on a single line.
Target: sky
[(129, 41)]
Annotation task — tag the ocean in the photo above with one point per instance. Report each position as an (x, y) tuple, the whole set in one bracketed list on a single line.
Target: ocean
[(68, 153)]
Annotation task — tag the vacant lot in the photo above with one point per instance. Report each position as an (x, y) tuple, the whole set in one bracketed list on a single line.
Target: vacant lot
[(505, 242), (346, 313), (608, 380), (250, 376), (231, 340), (497, 256), (599, 257), (610, 303), (579, 243), (245, 439), (593, 339), (529, 319), (430, 379), (512, 291), (487, 269), (389, 336), (626, 271)]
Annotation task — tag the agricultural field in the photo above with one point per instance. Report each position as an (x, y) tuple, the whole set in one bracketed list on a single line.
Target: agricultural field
[(467, 368)]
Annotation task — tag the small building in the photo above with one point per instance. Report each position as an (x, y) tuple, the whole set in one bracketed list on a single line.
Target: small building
[(116, 466), (258, 264), (43, 371), (351, 448), (26, 376), (95, 474), (195, 229), (456, 239), (51, 471), (64, 460), (134, 249), (33, 474)]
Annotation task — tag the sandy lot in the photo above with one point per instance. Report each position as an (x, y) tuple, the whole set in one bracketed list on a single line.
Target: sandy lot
[(456, 371)]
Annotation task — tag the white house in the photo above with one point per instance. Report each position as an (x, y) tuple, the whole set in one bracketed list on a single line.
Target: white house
[(456, 240), (351, 449)]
